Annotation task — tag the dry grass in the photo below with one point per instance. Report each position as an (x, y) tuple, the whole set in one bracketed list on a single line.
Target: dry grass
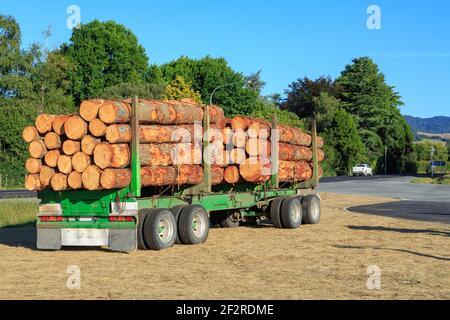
[(325, 261)]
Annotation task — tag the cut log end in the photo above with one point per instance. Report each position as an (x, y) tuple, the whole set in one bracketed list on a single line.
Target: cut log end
[(97, 128), (91, 177), (59, 182), (33, 165), (89, 109), (37, 149), (75, 128), (45, 175), (33, 183), (74, 180), (44, 123), (52, 141), (115, 178), (51, 158), (30, 134), (88, 144), (70, 147), (80, 161), (231, 175)]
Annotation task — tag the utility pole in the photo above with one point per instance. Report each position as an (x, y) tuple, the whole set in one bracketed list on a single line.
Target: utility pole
[(385, 160), (432, 162)]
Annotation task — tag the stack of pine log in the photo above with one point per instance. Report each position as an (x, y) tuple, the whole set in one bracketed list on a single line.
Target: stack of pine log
[(91, 150)]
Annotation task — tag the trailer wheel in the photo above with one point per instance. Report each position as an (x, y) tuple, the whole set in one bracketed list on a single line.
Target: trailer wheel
[(311, 209), (229, 221), (275, 212), (291, 213), (176, 214), (140, 229), (193, 225), (160, 229)]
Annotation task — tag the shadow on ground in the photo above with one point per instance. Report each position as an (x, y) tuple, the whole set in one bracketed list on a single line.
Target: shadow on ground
[(412, 210), (20, 236), (402, 230)]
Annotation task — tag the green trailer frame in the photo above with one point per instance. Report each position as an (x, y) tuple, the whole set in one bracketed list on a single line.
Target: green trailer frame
[(98, 217)]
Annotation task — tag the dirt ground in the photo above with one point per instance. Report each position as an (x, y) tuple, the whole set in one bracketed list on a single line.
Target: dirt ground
[(325, 261)]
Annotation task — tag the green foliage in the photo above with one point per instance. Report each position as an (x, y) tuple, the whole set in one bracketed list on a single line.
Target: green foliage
[(375, 107), (129, 90), (348, 147), (264, 109), (179, 89), (422, 151), (208, 73), (105, 54)]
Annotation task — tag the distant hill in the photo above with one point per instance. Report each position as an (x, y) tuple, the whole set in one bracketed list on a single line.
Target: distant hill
[(436, 125)]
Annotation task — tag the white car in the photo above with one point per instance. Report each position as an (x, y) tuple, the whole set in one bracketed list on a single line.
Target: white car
[(362, 170)]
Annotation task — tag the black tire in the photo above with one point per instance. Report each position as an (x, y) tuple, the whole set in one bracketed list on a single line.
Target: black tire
[(311, 209), (140, 229), (176, 214), (275, 212), (291, 213), (193, 225), (156, 235), (228, 221)]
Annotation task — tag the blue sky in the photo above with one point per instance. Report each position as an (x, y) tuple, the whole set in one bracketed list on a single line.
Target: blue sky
[(284, 39)]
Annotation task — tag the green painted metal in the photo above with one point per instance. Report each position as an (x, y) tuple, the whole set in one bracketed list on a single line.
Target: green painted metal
[(135, 157)]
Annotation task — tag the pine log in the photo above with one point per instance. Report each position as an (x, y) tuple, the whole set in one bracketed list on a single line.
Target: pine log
[(213, 154), (289, 152), (158, 112), (89, 109), (33, 165), (240, 123), (228, 136), (30, 134), (51, 158), (32, 182), (37, 149), (52, 141), (75, 128), (239, 138), (258, 147), (112, 155), (223, 160), (255, 170), (217, 175), (231, 175), (164, 176), (70, 147), (97, 128), (58, 124), (237, 156), (59, 182), (74, 180), (65, 164), (88, 144), (91, 178), (294, 171), (45, 175), (259, 129), (80, 161), (115, 178), (44, 123)]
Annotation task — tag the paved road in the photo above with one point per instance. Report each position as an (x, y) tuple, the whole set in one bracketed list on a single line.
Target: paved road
[(421, 202), (15, 194), (399, 187)]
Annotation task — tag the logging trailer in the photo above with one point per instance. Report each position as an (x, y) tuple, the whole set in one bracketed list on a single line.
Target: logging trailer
[(134, 217)]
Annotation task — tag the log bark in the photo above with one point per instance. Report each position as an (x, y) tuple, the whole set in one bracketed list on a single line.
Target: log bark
[(52, 141), (44, 123), (97, 128), (231, 175), (30, 134), (216, 175), (112, 155), (289, 152), (228, 136), (258, 147), (33, 183), (158, 112), (74, 180), (58, 124), (165, 176), (33, 166), (59, 182), (46, 175), (70, 147), (51, 158), (294, 171), (89, 109), (37, 149), (80, 161), (255, 170), (91, 178), (88, 144), (115, 178), (167, 154), (75, 128), (65, 164)]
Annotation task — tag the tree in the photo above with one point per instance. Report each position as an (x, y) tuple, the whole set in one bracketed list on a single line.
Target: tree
[(347, 148), (265, 109), (180, 89), (208, 73), (105, 54), (375, 107), (129, 90), (302, 95)]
